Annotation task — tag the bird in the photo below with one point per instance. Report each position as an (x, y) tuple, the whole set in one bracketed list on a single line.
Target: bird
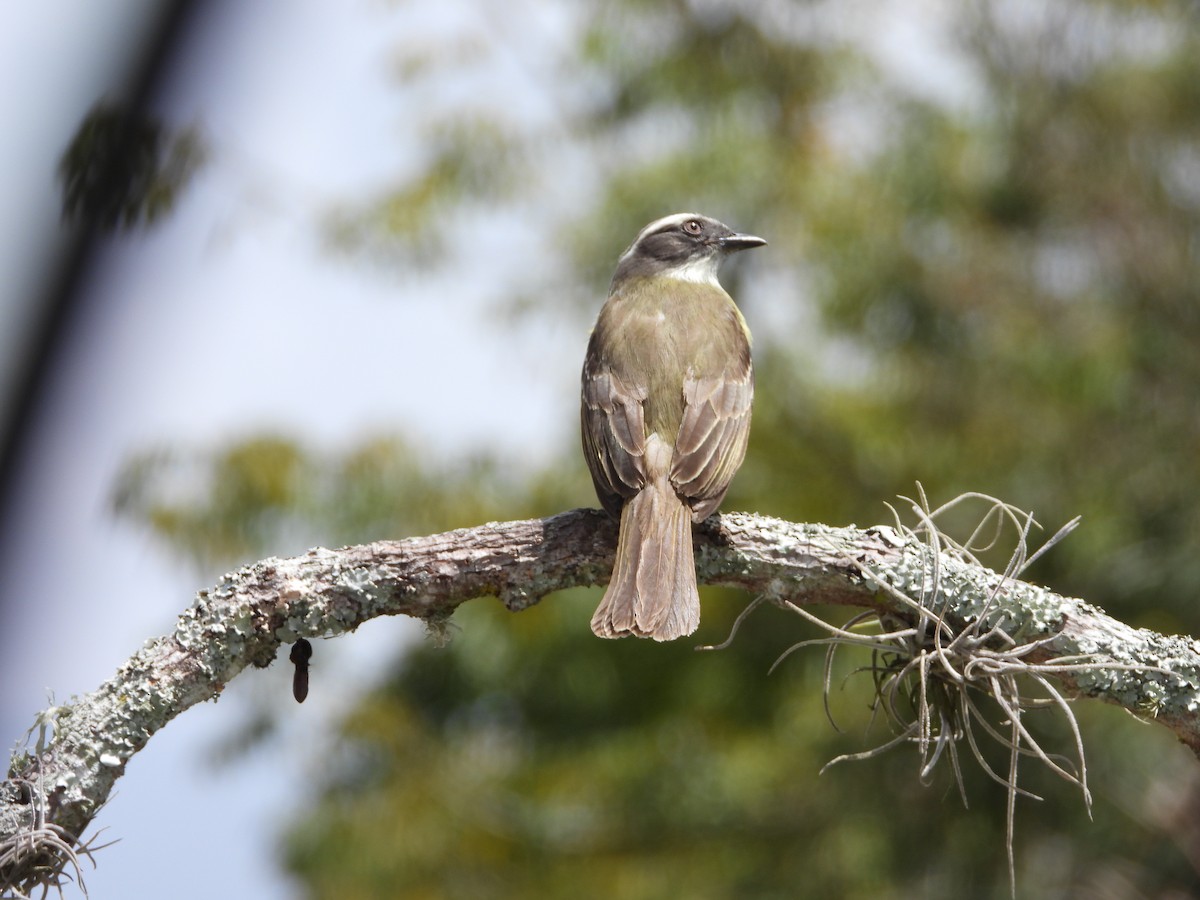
[(667, 387)]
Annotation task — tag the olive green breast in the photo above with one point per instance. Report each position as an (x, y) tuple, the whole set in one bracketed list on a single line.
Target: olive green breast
[(655, 332)]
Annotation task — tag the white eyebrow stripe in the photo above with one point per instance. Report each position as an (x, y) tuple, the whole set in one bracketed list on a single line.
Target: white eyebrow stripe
[(671, 221)]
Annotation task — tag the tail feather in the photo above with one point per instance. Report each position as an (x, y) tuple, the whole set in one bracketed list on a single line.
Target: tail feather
[(652, 592)]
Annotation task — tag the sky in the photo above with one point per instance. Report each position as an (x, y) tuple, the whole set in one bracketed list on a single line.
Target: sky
[(232, 318)]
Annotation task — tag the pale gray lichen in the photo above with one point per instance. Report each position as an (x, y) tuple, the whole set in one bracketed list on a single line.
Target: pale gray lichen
[(948, 628), (998, 626), (439, 628)]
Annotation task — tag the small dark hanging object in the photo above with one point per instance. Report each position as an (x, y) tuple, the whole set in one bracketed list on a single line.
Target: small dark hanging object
[(300, 655)]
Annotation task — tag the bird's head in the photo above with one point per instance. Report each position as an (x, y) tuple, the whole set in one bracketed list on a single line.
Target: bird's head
[(686, 246)]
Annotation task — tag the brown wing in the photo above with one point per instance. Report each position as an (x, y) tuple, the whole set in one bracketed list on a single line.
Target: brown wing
[(614, 434), (712, 437)]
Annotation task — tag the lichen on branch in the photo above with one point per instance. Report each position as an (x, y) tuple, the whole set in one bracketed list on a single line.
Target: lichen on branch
[(55, 788)]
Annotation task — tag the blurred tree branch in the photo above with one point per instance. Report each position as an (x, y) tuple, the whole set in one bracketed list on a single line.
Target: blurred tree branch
[(56, 788)]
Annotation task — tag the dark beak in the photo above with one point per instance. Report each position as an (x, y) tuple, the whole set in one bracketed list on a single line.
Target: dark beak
[(734, 242)]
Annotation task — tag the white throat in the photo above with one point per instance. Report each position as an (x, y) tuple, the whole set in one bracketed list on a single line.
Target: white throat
[(702, 270)]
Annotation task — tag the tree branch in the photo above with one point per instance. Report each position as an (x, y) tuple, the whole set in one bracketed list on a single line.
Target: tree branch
[(250, 613)]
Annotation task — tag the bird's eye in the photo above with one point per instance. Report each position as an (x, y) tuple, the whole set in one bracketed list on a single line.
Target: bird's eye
[(691, 226)]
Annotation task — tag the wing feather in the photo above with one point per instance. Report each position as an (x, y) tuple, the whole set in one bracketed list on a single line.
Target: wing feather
[(614, 436), (712, 438)]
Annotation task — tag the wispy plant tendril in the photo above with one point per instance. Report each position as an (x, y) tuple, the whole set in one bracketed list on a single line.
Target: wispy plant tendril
[(930, 673)]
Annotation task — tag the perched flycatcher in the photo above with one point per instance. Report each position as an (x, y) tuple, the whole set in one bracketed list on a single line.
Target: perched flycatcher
[(667, 385)]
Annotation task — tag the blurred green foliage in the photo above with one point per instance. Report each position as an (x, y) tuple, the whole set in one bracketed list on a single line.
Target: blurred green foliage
[(1000, 294), (124, 168), (268, 495)]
